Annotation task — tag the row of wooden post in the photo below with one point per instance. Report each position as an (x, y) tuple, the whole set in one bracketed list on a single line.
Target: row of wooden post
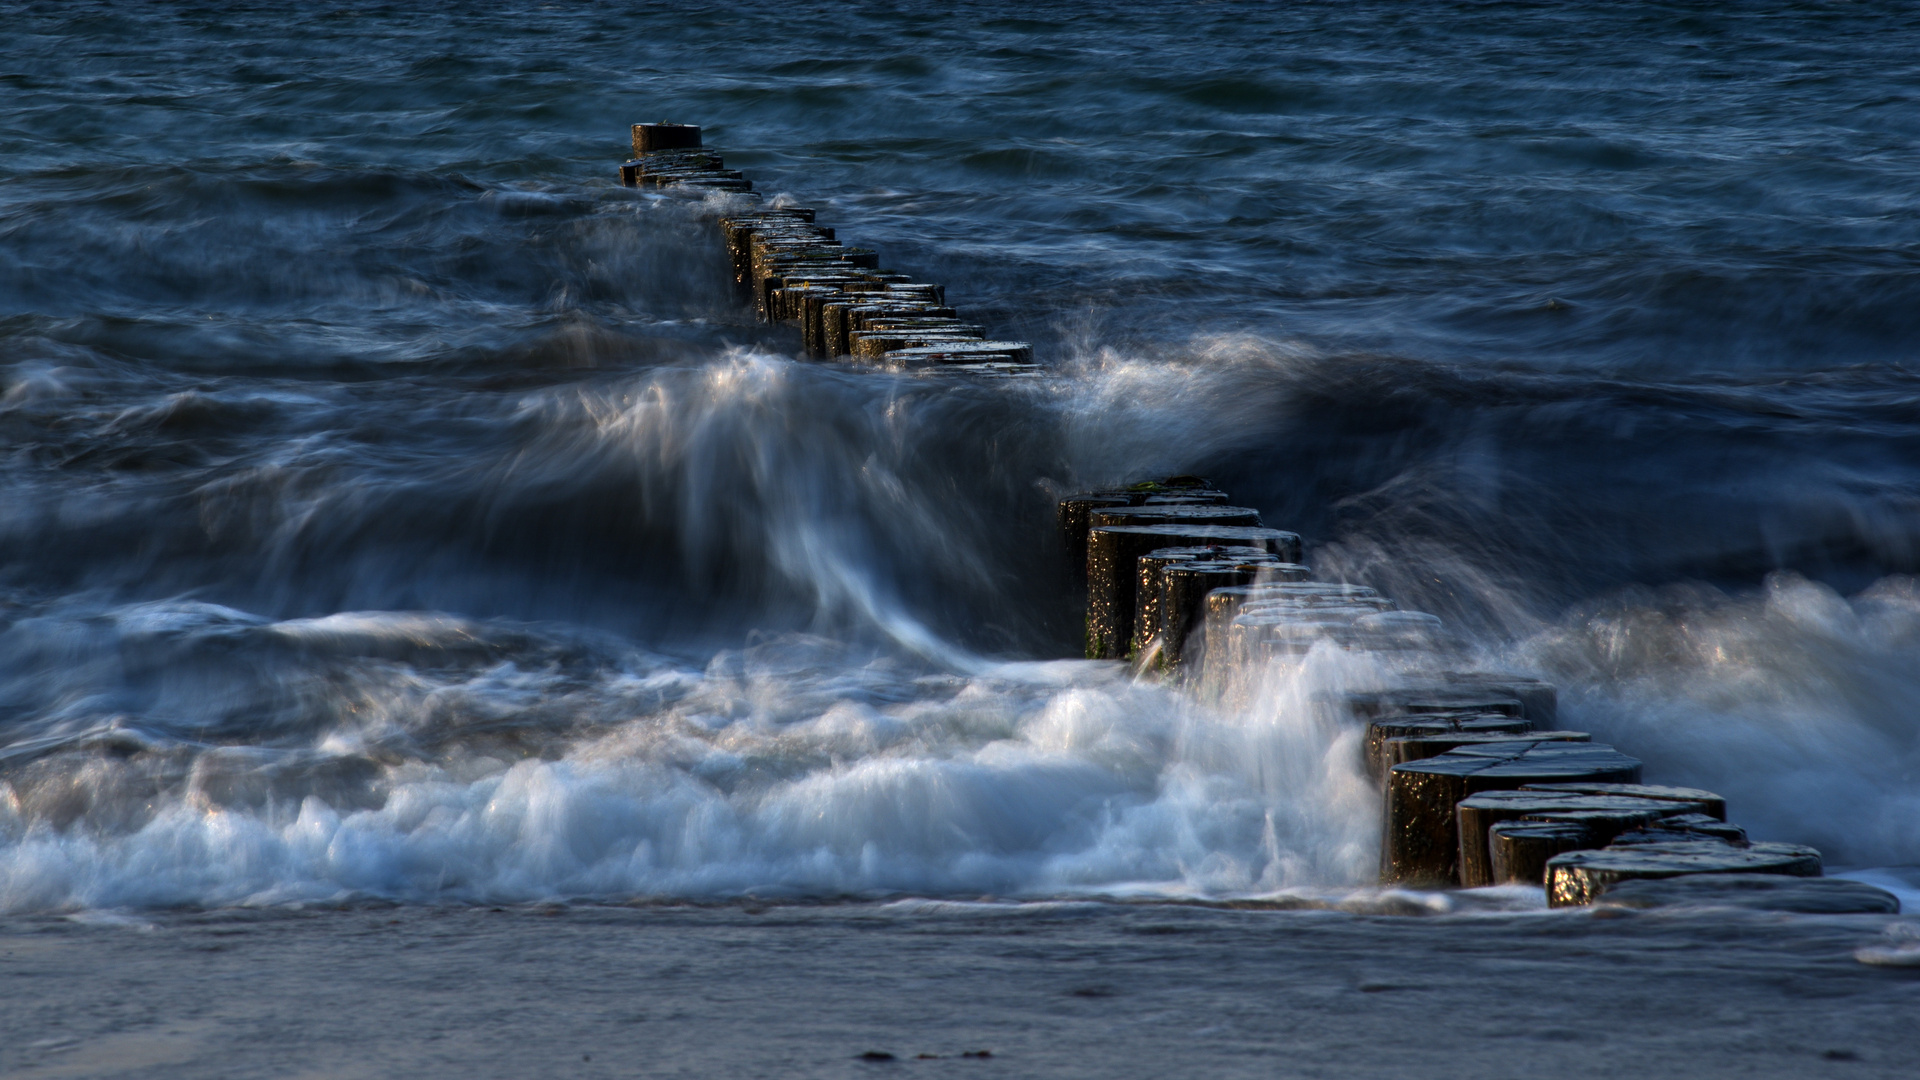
[(1479, 785), (797, 271)]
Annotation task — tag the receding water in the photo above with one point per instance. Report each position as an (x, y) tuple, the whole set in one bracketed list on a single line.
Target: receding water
[(395, 508)]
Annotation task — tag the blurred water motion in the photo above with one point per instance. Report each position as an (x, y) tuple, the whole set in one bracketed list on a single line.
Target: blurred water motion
[(396, 507)]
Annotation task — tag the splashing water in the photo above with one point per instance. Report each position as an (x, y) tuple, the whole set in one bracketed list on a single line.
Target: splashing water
[(395, 507), (424, 757)]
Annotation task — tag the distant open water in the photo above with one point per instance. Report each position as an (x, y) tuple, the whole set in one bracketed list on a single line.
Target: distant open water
[(395, 507)]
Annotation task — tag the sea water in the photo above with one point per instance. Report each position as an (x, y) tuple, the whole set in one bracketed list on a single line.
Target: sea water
[(396, 510)]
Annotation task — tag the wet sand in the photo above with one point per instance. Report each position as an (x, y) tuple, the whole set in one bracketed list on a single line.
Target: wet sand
[(1081, 989)]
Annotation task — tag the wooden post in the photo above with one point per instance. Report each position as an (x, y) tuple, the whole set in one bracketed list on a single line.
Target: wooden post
[(1684, 827), (1224, 605), (1433, 699), (1422, 843), (1518, 851), (1401, 634), (1184, 588), (1174, 514), (1705, 802), (1579, 877), (1149, 584), (1763, 892), (1401, 726), (1112, 554), (1539, 701), (650, 137), (1476, 815), (1404, 748), (1074, 511)]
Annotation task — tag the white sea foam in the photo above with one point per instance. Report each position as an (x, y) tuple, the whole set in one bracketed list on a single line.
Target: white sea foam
[(184, 752), (786, 770), (1794, 702), (1899, 948)]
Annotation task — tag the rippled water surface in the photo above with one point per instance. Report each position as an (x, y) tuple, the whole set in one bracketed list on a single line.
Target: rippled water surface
[(395, 507)]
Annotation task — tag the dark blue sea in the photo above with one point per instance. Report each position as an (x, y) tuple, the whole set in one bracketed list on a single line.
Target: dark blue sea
[(398, 515)]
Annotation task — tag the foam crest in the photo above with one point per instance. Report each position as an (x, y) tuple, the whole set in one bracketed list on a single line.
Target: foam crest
[(787, 769), (857, 500), (1793, 701), (1126, 415)]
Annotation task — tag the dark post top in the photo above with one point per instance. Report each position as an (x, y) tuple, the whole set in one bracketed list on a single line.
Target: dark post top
[(651, 137)]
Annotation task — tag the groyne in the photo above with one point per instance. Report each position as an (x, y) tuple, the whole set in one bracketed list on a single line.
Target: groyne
[(1479, 787), (796, 270)]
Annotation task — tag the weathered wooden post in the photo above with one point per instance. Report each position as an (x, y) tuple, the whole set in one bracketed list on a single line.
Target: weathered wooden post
[(1578, 877), (1149, 584), (1704, 802), (1518, 851), (1224, 605), (1184, 587), (1175, 513), (1476, 815), (1765, 892), (1418, 747), (1401, 634), (1684, 827), (1434, 699), (1074, 511), (1113, 552), (1422, 842), (650, 137), (1539, 701), (1379, 731)]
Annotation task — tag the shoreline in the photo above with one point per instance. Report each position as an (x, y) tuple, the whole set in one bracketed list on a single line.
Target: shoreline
[(1124, 990)]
